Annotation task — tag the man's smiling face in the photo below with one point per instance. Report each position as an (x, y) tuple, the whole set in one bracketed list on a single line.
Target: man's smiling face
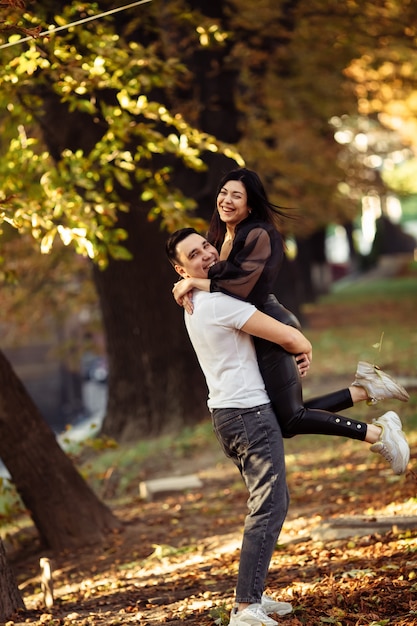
[(195, 257)]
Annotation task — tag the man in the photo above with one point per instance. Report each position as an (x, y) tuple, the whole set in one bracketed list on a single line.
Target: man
[(243, 419)]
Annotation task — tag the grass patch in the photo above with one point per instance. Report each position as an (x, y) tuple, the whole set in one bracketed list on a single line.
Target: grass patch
[(117, 471), (385, 287)]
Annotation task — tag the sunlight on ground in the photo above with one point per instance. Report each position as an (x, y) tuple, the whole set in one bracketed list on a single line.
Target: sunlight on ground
[(409, 507)]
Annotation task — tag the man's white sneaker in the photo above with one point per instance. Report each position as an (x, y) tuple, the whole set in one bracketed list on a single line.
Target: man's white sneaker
[(269, 605), (392, 443), (378, 384), (253, 615)]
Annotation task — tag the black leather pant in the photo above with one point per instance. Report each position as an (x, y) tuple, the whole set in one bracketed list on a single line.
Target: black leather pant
[(283, 384)]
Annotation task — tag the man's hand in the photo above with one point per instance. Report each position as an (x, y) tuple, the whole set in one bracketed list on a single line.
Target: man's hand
[(303, 363)]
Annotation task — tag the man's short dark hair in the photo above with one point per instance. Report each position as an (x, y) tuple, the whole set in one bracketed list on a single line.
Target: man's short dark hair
[(174, 239)]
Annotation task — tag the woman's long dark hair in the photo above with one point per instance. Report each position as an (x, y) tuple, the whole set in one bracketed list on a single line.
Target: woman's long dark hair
[(262, 209)]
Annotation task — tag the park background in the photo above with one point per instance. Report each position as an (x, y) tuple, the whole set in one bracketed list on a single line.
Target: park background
[(116, 131)]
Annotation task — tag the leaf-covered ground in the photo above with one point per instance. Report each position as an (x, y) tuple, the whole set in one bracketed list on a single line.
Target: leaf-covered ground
[(176, 561)]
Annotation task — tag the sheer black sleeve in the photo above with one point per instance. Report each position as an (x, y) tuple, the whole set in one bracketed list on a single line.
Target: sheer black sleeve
[(252, 265)]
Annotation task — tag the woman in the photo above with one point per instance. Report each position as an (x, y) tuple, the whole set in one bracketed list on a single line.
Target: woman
[(243, 229)]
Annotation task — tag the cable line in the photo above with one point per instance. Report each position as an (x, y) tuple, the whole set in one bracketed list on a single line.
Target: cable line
[(53, 30)]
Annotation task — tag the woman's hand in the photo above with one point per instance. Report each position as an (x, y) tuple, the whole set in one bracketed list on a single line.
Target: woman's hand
[(183, 291), (303, 363), (183, 294)]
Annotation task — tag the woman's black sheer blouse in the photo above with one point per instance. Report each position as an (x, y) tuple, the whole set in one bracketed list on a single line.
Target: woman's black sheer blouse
[(250, 271)]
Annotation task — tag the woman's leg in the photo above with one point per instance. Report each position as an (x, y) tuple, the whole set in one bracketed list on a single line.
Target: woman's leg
[(335, 402), (371, 384), (283, 384)]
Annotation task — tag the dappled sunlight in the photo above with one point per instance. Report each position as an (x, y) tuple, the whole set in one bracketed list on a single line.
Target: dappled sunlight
[(178, 556)]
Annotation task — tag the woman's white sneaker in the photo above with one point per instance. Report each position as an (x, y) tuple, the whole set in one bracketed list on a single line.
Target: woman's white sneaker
[(392, 444), (378, 384)]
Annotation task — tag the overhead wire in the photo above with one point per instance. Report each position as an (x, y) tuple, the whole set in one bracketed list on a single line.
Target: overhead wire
[(52, 30)]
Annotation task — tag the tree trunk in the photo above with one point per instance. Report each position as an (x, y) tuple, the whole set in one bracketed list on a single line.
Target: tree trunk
[(310, 256), (155, 382), (66, 512), (287, 288), (10, 598)]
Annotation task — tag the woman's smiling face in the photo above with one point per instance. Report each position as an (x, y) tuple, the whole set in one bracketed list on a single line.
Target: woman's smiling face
[(232, 203)]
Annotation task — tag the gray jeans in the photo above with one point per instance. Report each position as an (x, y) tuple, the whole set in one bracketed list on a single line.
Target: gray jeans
[(253, 440)]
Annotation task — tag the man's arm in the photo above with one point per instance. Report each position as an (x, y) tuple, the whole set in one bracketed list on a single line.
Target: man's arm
[(266, 327)]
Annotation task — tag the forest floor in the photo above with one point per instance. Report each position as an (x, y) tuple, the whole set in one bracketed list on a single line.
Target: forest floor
[(176, 560), (347, 554)]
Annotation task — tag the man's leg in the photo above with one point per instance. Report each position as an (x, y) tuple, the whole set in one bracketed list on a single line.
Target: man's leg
[(252, 439)]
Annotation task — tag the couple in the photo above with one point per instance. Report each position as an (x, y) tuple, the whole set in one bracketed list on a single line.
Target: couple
[(220, 328)]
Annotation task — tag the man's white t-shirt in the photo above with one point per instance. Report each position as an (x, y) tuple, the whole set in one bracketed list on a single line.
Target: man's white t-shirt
[(226, 354)]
